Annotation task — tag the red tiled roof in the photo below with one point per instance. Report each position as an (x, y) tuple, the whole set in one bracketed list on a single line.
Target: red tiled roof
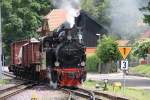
[(90, 50), (146, 34), (55, 18), (122, 42)]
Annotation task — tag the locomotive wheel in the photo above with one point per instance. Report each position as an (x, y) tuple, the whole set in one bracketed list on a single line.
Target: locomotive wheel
[(23, 73), (14, 71), (37, 74), (27, 73)]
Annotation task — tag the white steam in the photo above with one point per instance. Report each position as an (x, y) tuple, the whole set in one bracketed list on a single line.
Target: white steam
[(72, 7), (127, 19)]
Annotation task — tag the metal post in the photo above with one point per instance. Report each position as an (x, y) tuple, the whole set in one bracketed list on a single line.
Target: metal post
[(124, 80), (0, 45)]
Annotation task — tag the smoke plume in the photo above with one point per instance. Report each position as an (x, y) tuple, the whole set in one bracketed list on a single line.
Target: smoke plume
[(72, 7), (127, 19)]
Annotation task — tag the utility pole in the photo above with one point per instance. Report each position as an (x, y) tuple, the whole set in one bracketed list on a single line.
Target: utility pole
[(0, 44)]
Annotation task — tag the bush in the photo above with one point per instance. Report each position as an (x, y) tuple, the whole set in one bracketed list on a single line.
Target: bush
[(140, 48), (107, 49), (92, 63)]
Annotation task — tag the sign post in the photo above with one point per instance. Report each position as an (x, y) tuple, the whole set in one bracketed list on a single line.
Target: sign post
[(124, 63), (124, 67)]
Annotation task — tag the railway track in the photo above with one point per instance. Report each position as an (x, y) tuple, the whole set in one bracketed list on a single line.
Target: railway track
[(13, 90), (88, 95), (92, 95), (80, 92), (8, 92), (109, 96), (8, 74), (67, 92)]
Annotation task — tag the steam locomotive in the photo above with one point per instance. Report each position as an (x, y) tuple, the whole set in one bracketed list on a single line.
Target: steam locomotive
[(58, 59)]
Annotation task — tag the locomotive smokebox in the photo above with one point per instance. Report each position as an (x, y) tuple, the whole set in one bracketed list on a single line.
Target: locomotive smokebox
[(68, 34)]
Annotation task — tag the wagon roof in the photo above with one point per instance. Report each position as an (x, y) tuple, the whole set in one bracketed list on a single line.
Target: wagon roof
[(34, 40)]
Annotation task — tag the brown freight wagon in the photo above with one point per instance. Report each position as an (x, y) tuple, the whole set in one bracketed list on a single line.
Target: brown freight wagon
[(31, 61), (31, 54), (26, 60), (15, 50)]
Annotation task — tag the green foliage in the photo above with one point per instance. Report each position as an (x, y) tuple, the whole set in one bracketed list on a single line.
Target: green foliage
[(146, 15), (107, 49), (141, 69), (21, 19), (140, 48), (3, 81), (92, 63), (96, 8)]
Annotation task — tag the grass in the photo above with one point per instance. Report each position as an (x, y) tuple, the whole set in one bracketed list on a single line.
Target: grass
[(2, 81), (141, 69), (89, 84), (132, 94)]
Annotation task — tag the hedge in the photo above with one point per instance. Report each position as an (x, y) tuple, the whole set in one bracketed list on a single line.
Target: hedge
[(92, 63)]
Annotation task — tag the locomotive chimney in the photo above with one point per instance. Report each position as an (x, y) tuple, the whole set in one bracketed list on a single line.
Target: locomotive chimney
[(73, 9)]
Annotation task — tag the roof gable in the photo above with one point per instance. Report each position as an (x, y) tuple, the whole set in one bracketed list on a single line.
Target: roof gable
[(54, 19)]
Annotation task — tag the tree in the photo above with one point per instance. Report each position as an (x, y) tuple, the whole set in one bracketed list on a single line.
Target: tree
[(140, 48), (21, 18), (146, 15), (97, 8), (107, 49)]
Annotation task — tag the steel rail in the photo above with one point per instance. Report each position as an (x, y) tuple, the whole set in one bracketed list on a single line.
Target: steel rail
[(8, 74), (67, 92), (106, 95), (15, 90), (83, 94), (110, 96)]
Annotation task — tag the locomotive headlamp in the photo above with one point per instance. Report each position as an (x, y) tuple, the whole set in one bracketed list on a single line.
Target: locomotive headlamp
[(82, 63), (56, 63), (69, 37)]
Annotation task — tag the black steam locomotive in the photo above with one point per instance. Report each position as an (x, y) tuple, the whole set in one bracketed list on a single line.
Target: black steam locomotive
[(65, 57)]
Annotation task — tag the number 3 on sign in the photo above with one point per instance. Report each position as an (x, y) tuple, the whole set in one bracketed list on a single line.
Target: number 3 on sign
[(124, 65)]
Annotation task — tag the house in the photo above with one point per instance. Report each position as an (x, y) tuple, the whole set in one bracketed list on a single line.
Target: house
[(122, 43), (145, 35), (89, 27)]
